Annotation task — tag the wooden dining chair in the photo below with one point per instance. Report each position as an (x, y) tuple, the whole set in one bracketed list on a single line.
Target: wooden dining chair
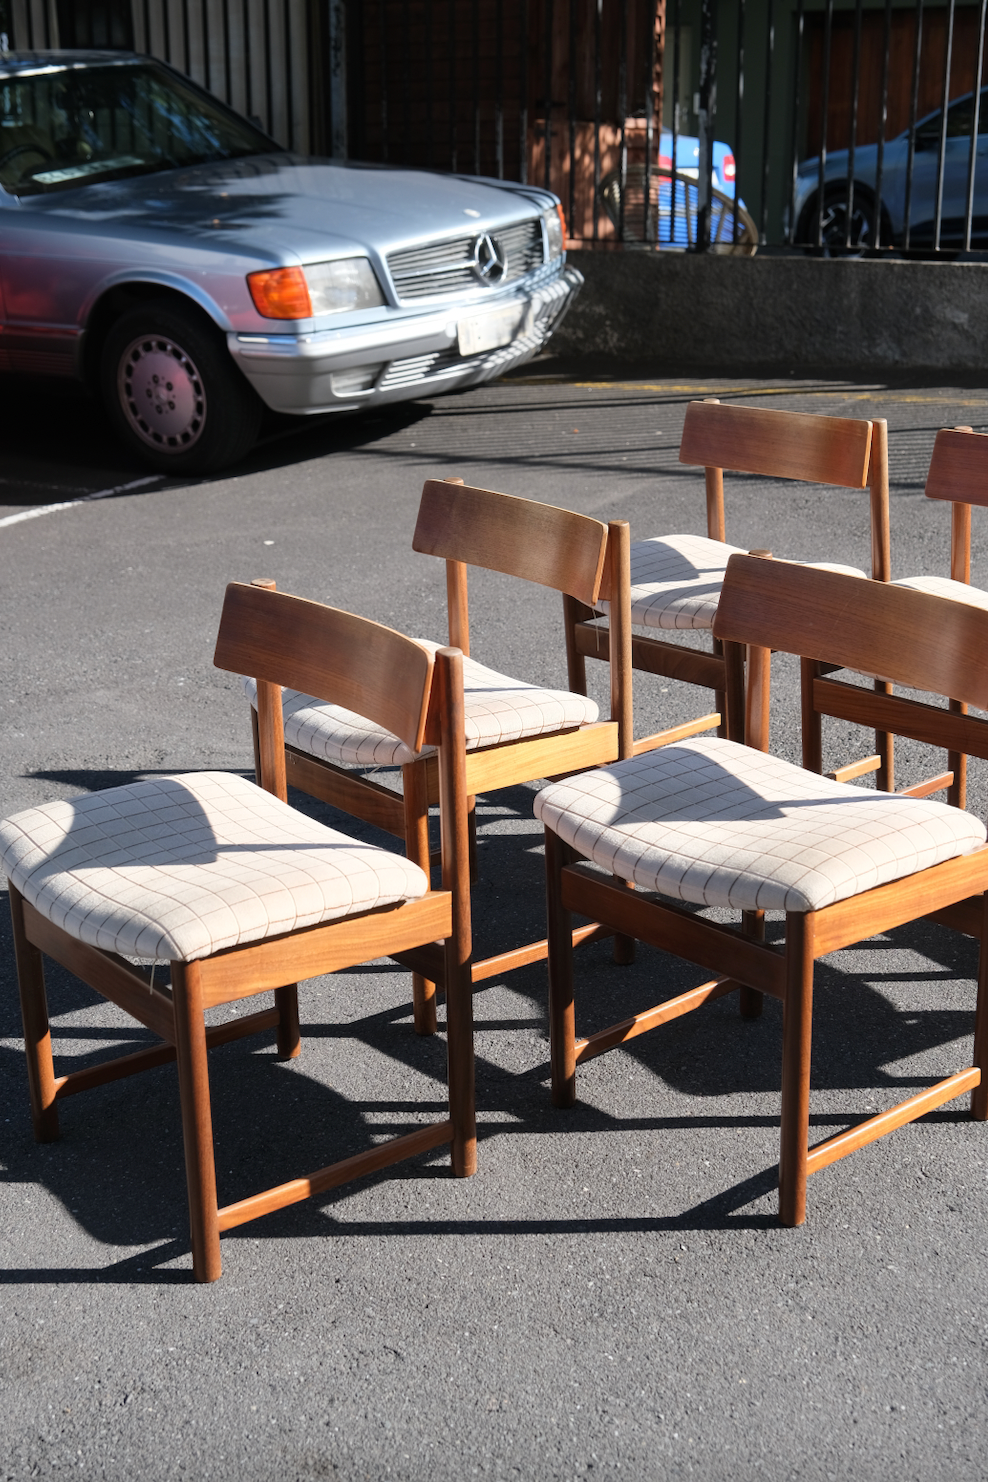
[(515, 732), (676, 580), (709, 822), (959, 475), (240, 894)]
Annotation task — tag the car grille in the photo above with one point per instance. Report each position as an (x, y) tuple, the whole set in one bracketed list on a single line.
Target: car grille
[(441, 268), (424, 367)]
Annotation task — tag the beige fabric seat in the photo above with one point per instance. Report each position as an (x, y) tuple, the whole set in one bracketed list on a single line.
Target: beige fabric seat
[(179, 868), (719, 824), (943, 586), (498, 709), (676, 580)]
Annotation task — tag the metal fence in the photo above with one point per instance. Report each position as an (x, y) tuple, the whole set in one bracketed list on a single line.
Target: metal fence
[(906, 116), (652, 120)]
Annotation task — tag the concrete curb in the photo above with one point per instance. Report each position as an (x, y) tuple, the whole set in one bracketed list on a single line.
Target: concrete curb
[(765, 313)]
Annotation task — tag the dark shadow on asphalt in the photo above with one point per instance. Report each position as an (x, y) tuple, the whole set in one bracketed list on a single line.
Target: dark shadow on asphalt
[(297, 1122), (58, 443)]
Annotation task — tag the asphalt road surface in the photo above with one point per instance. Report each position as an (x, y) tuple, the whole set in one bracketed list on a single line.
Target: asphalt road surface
[(610, 1296)]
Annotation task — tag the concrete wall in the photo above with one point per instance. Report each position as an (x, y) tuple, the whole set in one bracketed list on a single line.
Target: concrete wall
[(677, 310)]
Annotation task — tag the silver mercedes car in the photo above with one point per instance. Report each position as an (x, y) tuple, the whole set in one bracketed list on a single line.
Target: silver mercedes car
[(160, 248)]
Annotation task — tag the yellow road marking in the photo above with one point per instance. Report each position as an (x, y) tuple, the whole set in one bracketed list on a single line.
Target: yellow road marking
[(875, 394)]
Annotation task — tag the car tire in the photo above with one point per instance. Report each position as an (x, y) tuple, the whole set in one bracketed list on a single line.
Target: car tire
[(172, 392), (835, 204)]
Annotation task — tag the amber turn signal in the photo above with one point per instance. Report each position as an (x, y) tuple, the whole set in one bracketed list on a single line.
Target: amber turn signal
[(280, 293)]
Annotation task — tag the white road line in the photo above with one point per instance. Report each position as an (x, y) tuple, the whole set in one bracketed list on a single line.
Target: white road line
[(50, 509)]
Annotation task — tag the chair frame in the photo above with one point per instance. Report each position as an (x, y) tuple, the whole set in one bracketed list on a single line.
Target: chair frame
[(848, 452), (572, 553), (335, 655), (831, 621)]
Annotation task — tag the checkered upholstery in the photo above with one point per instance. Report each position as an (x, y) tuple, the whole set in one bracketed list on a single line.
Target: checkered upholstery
[(676, 580), (942, 586), (498, 709), (180, 867), (718, 824)]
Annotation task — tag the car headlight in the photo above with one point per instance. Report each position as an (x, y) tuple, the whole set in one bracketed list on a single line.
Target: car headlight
[(341, 286), (321, 288), (555, 231)]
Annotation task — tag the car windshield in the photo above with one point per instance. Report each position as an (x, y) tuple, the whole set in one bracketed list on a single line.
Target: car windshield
[(63, 127)]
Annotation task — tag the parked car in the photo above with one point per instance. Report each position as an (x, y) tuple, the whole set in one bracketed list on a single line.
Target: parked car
[(688, 159), (672, 210), (159, 247), (894, 173)]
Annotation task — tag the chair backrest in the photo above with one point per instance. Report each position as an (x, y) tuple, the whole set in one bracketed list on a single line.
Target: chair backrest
[(537, 542), (785, 445), (849, 452), (895, 633), (333, 655), (959, 466)]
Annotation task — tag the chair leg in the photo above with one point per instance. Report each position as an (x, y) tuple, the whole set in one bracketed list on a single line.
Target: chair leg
[(576, 665), (725, 728), (797, 1033), (459, 1039), (37, 1034), (289, 1033), (562, 1015), (197, 1122), (957, 763), (415, 790), (750, 999), (623, 947), (979, 1096), (472, 838), (885, 748)]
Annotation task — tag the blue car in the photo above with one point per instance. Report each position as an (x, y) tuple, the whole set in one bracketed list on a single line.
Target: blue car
[(864, 231), (688, 159)]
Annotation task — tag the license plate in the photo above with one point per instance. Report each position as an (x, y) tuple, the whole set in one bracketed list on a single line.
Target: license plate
[(489, 331)]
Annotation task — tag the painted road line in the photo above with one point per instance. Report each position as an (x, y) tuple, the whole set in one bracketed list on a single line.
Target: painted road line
[(50, 509)]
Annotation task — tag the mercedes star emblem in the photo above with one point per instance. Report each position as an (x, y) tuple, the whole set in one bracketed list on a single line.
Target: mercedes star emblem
[(490, 261)]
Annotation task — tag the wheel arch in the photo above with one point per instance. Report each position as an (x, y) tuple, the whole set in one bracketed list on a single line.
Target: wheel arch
[(115, 299)]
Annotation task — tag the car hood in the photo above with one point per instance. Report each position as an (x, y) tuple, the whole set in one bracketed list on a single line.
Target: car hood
[(292, 208)]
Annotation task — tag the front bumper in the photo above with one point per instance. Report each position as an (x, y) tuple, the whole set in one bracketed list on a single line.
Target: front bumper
[(321, 372)]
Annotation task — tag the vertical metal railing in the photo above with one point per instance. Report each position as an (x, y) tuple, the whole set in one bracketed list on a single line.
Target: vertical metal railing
[(828, 33), (674, 143), (883, 112), (944, 121), (797, 69), (738, 120), (975, 125), (853, 140), (839, 114), (766, 122), (913, 109)]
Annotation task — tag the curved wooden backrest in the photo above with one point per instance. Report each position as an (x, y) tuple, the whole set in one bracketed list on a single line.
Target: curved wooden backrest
[(337, 657), (786, 445), (959, 467), (896, 633), (520, 537)]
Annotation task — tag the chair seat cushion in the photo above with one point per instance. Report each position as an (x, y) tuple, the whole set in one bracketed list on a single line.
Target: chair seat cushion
[(498, 709), (942, 586), (719, 824), (676, 580), (180, 867)]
